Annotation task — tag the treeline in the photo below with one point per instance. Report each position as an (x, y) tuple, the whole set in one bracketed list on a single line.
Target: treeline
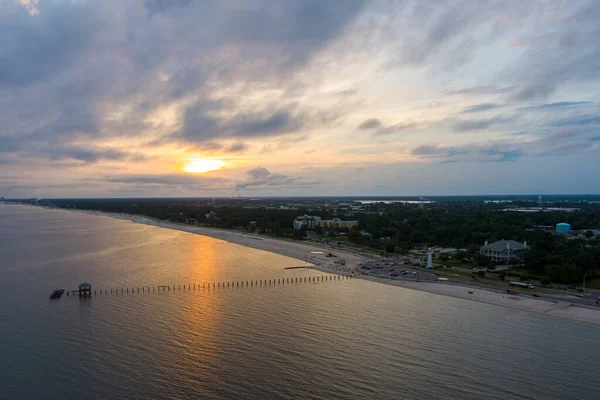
[(558, 259), (460, 225), (397, 228), (236, 214), (553, 257)]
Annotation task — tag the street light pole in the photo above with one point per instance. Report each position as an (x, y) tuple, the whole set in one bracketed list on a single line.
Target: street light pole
[(584, 275)]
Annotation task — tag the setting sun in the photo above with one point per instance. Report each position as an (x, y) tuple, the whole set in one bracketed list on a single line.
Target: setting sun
[(201, 165)]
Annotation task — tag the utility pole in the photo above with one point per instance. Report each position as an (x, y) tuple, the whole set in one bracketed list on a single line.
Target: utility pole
[(509, 257)]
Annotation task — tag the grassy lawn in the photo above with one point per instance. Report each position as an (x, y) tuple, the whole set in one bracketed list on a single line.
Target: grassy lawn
[(453, 263), (449, 272), (334, 238), (594, 284), (521, 272), (488, 280), (495, 283)]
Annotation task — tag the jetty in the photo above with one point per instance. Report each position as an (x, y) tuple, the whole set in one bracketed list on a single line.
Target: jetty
[(85, 289)]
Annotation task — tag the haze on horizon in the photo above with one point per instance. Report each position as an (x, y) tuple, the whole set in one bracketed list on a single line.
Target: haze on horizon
[(306, 97)]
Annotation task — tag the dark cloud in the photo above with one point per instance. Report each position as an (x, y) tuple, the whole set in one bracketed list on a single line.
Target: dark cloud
[(564, 140), (555, 141), (379, 129), (38, 48), (573, 56), (563, 149), (161, 6), (442, 34), (486, 152), (446, 37), (481, 107), (63, 71), (237, 147), (301, 25), (198, 126), (479, 124), (195, 181), (9, 144), (425, 150), (479, 90), (258, 173), (56, 152), (267, 148), (262, 178), (372, 123), (578, 120), (91, 155), (288, 141), (558, 105)]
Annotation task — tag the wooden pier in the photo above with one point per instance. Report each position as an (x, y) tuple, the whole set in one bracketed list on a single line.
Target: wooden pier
[(205, 286)]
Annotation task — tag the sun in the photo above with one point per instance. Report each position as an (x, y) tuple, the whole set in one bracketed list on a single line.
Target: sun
[(199, 165)]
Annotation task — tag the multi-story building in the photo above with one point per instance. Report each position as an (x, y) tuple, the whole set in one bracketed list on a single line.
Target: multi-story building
[(311, 222), (337, 223), (502, 250), (306, 221)]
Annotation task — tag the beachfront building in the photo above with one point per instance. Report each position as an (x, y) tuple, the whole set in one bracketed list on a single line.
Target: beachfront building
[(311, 222), (503, 250), (337, 223), (306, 221)]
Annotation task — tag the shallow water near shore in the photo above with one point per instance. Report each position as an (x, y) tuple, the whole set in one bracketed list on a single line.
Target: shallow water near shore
[(346, 339)]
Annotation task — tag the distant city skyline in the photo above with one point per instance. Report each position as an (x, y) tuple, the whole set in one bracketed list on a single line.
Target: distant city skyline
[(298, 98)]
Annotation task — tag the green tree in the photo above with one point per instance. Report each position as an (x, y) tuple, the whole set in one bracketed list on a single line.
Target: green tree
[(354, 234), (546, 280), (482, 260), (299, 234)]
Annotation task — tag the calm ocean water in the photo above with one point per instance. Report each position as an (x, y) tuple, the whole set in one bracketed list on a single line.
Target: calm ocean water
[(349, 339)]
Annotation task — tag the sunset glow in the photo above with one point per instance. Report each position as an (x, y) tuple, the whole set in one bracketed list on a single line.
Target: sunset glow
[(198, 165), (297, 98)]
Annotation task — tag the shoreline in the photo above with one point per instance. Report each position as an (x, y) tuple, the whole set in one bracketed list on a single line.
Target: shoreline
[(314, 256), (319, 262)]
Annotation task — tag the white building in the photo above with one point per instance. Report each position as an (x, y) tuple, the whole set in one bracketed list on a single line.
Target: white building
[(337, 223), (308, 221), (502, 250), (311, 222)]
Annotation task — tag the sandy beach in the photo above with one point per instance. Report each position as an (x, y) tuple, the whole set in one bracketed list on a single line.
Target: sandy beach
[(314, 256)]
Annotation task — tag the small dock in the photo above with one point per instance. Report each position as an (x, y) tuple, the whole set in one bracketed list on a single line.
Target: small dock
[(85, 289), (297, 267)]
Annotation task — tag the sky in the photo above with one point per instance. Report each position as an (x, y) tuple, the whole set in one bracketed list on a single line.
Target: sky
[(182, 98)]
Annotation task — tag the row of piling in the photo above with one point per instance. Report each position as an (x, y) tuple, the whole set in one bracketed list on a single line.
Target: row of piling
[(219, 285)]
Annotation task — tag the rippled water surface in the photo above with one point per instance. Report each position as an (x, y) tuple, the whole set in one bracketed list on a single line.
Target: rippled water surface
[(334, 339)]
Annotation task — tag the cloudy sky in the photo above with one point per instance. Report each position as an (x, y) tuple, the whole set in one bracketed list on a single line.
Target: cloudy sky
[(299, 97)]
